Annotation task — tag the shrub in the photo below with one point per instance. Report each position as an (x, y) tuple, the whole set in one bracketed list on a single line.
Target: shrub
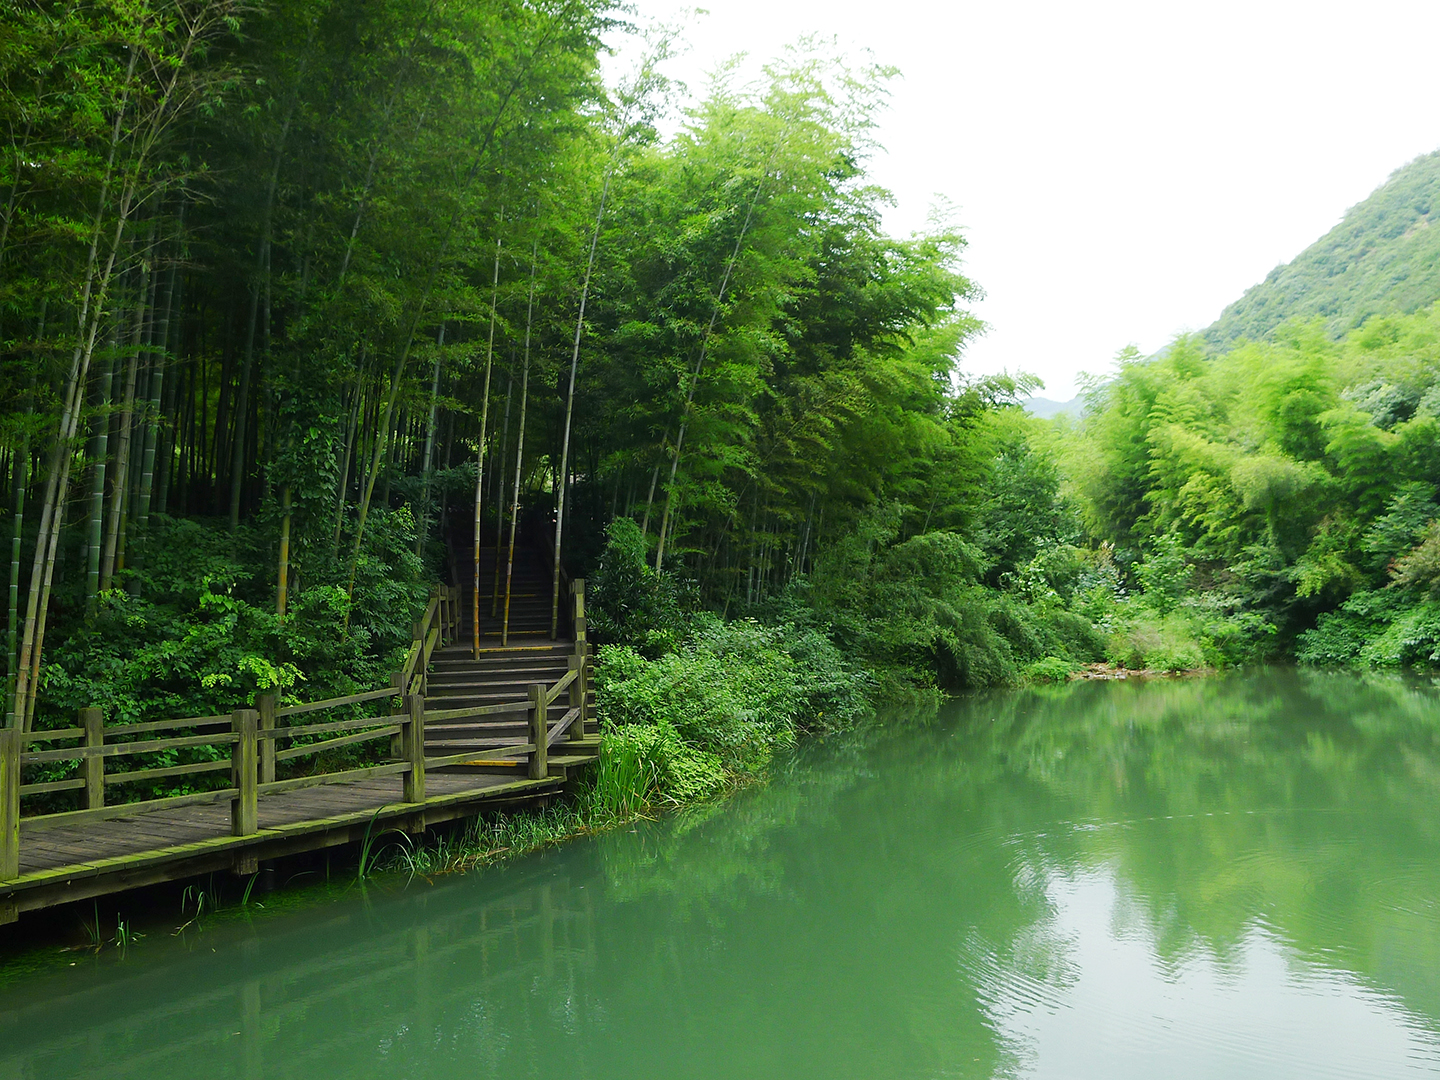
[(202, 636), (1051, 669), (1165, 574), (719, 706), (632, 604), (1147, 640)]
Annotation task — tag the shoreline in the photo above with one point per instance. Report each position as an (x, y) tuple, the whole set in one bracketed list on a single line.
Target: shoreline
[(1102, 672)]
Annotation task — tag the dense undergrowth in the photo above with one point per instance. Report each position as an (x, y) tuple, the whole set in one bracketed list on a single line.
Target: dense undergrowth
[(195, 633)]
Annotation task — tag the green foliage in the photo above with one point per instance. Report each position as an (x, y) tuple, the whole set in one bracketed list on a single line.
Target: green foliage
[(1055, 669), (631, 602), (1165, 574), (687, 725), (918, 612), (1279, 490), (203, 638)]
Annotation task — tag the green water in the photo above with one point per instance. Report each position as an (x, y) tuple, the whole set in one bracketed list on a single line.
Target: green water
[(1235, 877)]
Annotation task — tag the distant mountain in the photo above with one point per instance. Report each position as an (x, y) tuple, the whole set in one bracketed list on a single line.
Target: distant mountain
[(1383, 257), (1045, 408)]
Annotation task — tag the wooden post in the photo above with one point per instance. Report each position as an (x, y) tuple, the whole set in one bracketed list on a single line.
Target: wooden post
[(11, 745), (578, 588), (397, 742), (414, 749), (93, 768), (582, 653), (539, 733), (268, 704), (577, 693), (442, 613), (244, 772)]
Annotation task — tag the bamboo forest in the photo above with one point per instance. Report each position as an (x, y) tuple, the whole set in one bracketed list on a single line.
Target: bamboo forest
[(507, 526)]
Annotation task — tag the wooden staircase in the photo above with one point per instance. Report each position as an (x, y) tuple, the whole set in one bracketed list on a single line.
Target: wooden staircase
[(505, 672)]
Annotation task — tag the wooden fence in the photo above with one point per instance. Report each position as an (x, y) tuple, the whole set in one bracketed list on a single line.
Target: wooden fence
[(253, 738)]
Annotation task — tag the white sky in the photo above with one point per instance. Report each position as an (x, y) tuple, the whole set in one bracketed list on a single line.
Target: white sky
[(1123, 169)]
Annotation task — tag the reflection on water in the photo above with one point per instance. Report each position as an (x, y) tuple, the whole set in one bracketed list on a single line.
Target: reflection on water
[(1233, 877), (1114, 1008)]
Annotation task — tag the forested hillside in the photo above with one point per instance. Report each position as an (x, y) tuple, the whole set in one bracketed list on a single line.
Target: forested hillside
[(1291, 484), (1383, 257)]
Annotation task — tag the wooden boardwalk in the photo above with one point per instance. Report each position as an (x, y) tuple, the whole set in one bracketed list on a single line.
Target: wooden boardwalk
[(503, 728), (76, 862)]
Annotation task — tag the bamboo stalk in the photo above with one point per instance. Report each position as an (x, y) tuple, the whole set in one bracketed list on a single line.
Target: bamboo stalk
[(498, 480), (113, 558), (424, 528), (563, 473), (480, 461), (520, 444), (98, 453), (19, 468), (282, 591), (343, 482), (144, 136), (699, 361), (158, 341)]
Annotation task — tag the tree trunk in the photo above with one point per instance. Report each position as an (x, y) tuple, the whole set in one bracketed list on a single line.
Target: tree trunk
[(343, 484), (520, 446), (99, 451), (113, 559), (282, 591), (93, 290), (159, 340), (20, 466), (480, 449), (650, 496), (424, 528), (498, 480), (563, 472)]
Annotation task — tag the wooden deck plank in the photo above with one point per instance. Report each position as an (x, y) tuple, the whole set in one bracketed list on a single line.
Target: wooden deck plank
[(149, 834), (129, 846)]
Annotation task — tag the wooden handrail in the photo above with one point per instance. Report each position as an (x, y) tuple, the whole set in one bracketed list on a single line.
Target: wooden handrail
[(58, 785), (437, 715), (560, 727), (561, 685), (168, 725), (171, 770), (36, 757), (54, 735), (335, 703), (479, 752), (294, 731), (344, 740), (105, 813), (393, 768)]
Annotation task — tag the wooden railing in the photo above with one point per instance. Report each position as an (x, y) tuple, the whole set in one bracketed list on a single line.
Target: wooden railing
[(254, 737)]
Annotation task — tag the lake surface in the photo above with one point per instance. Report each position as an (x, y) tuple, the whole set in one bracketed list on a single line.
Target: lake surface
[(1232, 877)]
